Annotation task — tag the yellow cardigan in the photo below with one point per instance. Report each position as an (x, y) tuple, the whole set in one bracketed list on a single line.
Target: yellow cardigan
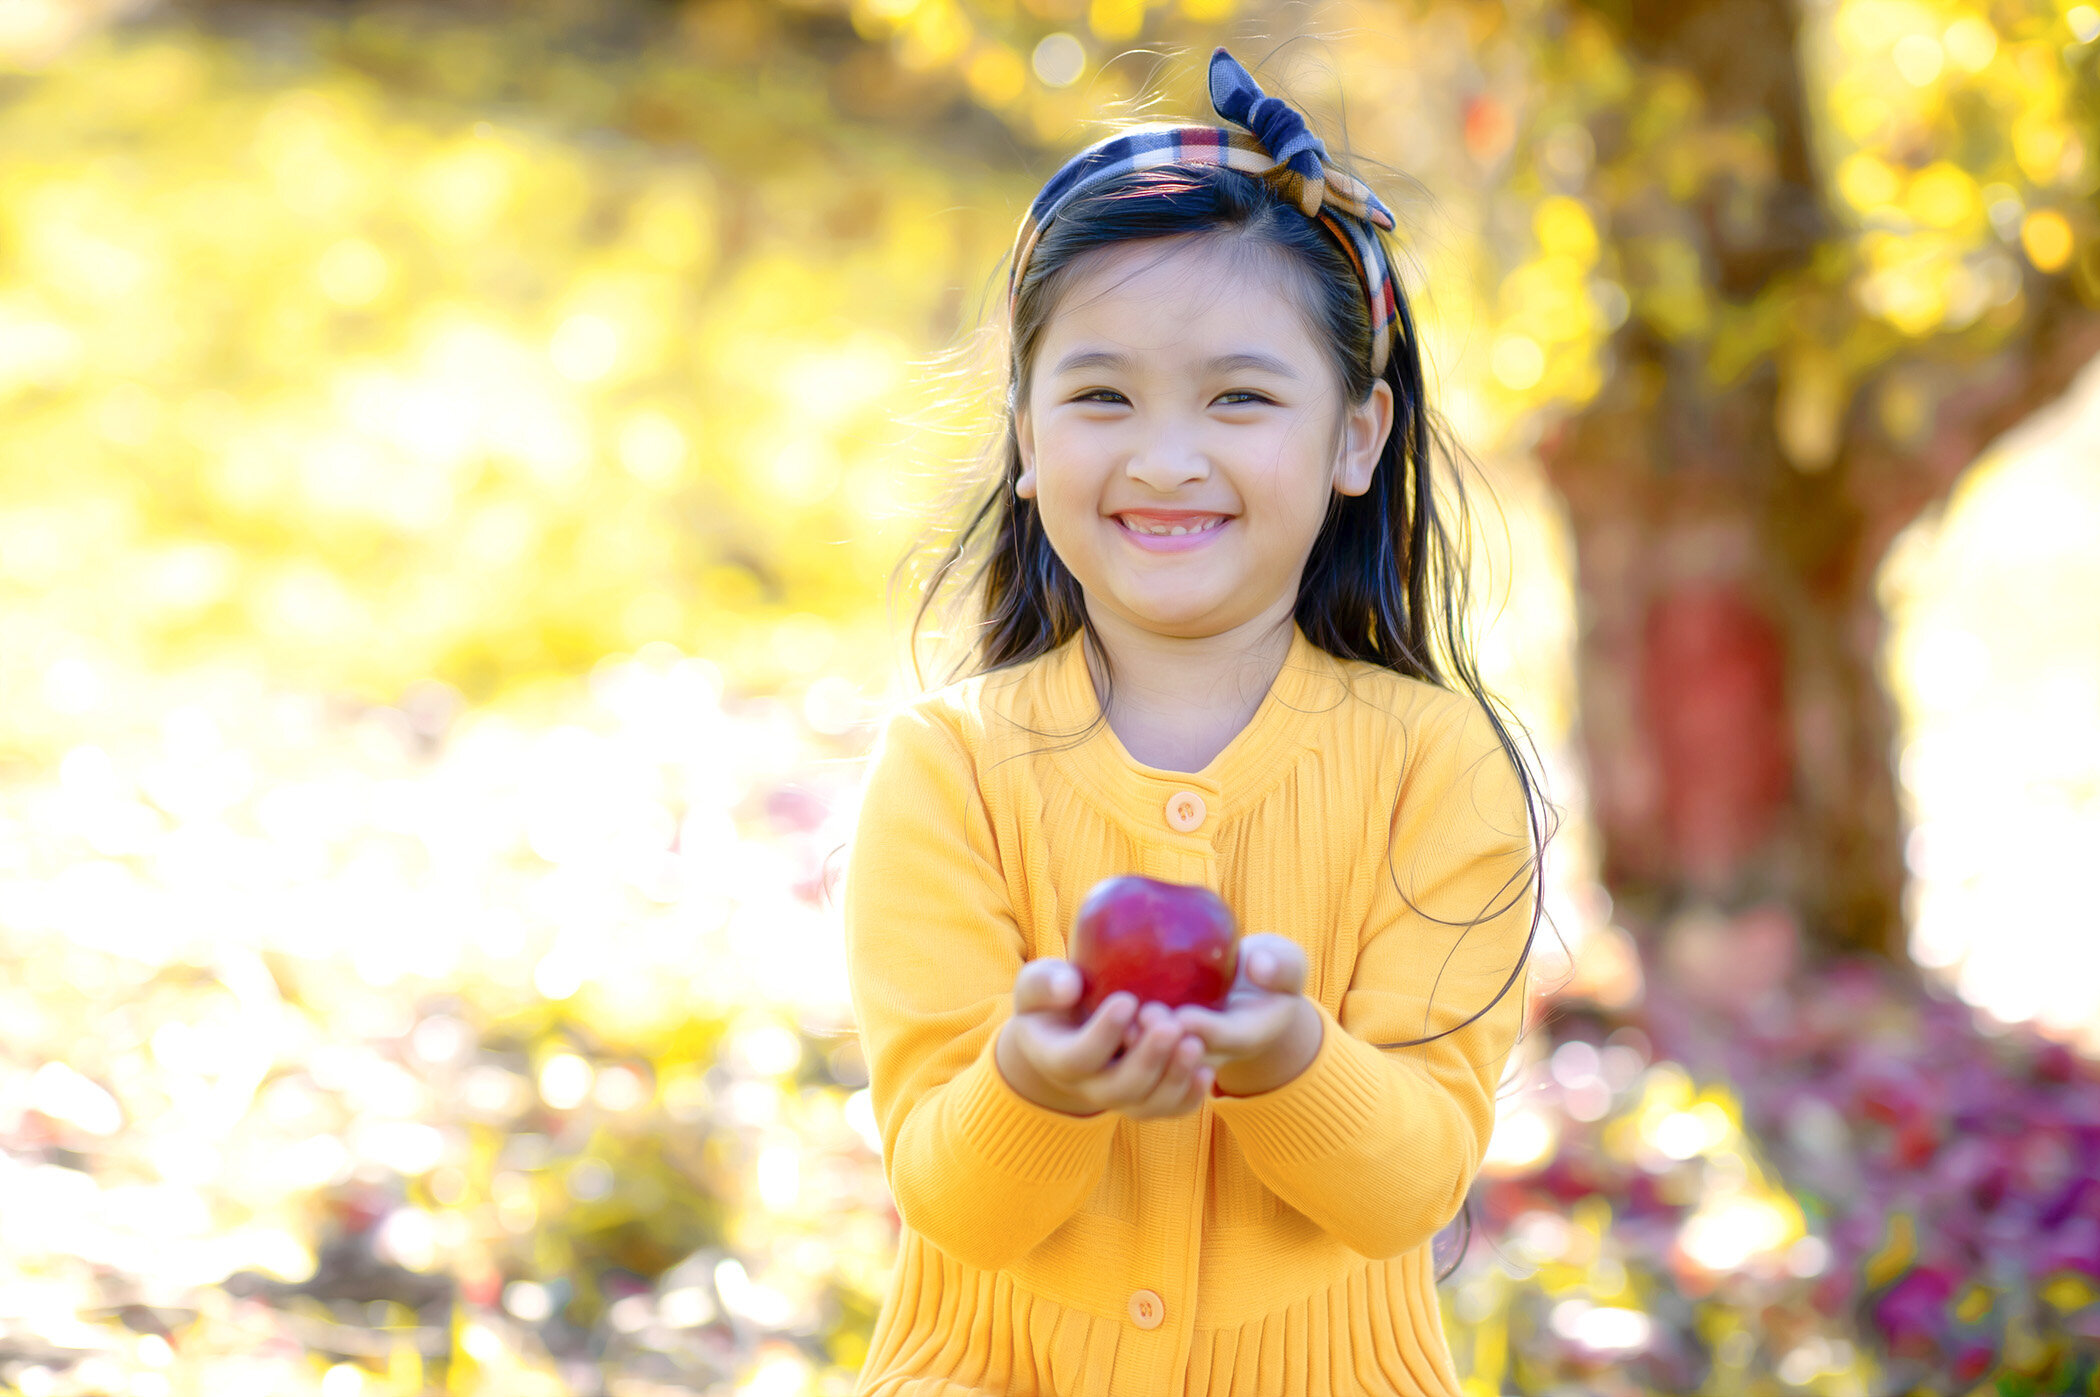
[(1263, 1246)]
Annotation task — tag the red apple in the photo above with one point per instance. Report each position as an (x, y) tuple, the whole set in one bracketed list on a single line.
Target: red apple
[(1173, 943)]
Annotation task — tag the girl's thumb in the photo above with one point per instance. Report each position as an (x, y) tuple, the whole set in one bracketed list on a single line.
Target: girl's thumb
[(1269, 967)]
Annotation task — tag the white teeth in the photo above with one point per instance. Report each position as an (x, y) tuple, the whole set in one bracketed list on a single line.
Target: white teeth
[(1172, 530)]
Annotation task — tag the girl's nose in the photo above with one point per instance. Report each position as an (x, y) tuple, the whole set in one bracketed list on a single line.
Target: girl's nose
[(1166, 458)]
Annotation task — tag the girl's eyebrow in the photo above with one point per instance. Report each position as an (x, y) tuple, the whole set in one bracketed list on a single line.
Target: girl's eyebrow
[(1223, 363)]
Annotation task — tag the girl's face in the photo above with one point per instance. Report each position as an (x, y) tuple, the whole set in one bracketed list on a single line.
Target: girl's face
[(1178, 385)]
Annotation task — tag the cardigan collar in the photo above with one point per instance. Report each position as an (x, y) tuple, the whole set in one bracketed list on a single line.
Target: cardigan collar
[(1283, 727)]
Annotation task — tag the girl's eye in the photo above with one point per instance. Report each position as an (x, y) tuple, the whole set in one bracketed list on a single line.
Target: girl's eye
[(1106, 395)]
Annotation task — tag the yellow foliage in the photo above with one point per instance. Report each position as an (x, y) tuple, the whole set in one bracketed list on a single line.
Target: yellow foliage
[(1971, 42), (1812, 389), (1899, 1248), (2068, 1291), (428, 392), (2039, 146), (1867, 182), (1563, 228), (672, 222), (2046, 235), (996, 75), (936, 34), (1857, 107), (1675, 298), (1518, 363), (1942, 195), (1114, 21)]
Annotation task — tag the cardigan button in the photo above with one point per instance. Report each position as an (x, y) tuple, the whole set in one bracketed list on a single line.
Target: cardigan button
[(1185, 810), (1147, 1310)]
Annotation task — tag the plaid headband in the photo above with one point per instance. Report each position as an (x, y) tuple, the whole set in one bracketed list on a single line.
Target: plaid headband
[(1281, 150)]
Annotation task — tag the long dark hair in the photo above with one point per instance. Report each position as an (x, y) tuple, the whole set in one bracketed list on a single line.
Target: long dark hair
[(1387, 581)]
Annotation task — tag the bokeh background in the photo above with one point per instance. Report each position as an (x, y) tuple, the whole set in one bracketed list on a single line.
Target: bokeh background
[(452, 459)]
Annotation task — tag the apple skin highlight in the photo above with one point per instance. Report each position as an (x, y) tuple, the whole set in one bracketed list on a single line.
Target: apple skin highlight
[(1169, 943)]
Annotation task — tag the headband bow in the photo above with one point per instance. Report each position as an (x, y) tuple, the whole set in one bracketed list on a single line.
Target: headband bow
[(1280, 149), (1275, 123)]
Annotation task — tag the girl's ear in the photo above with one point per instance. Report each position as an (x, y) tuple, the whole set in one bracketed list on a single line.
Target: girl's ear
[(1025, 485), (1364, 431)]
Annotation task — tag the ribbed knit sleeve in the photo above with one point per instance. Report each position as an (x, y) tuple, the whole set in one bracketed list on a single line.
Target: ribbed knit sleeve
[(1380, 1146), (932, 950)]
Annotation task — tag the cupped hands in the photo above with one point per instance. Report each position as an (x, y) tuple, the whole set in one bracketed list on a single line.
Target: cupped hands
[(1126, 1057), (1150, 1060)]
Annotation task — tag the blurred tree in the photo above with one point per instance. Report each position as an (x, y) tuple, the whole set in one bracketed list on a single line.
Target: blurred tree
[(1859, 243)]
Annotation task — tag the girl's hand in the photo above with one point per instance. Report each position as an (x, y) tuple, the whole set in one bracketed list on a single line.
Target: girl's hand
[(1125, 1058), (1268, 1031)]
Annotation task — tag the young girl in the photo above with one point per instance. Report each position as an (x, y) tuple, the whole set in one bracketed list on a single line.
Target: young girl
[(1207, 580)]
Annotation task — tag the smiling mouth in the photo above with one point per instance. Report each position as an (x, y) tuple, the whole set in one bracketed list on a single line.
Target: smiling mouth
[(1162, 528)]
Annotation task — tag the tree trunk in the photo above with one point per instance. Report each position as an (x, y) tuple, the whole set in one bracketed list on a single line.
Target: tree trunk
[(1738, 738), (1740, 741), (1741, 744)]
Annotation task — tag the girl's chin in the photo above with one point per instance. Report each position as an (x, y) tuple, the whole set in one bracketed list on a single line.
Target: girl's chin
[(1182, 614)]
